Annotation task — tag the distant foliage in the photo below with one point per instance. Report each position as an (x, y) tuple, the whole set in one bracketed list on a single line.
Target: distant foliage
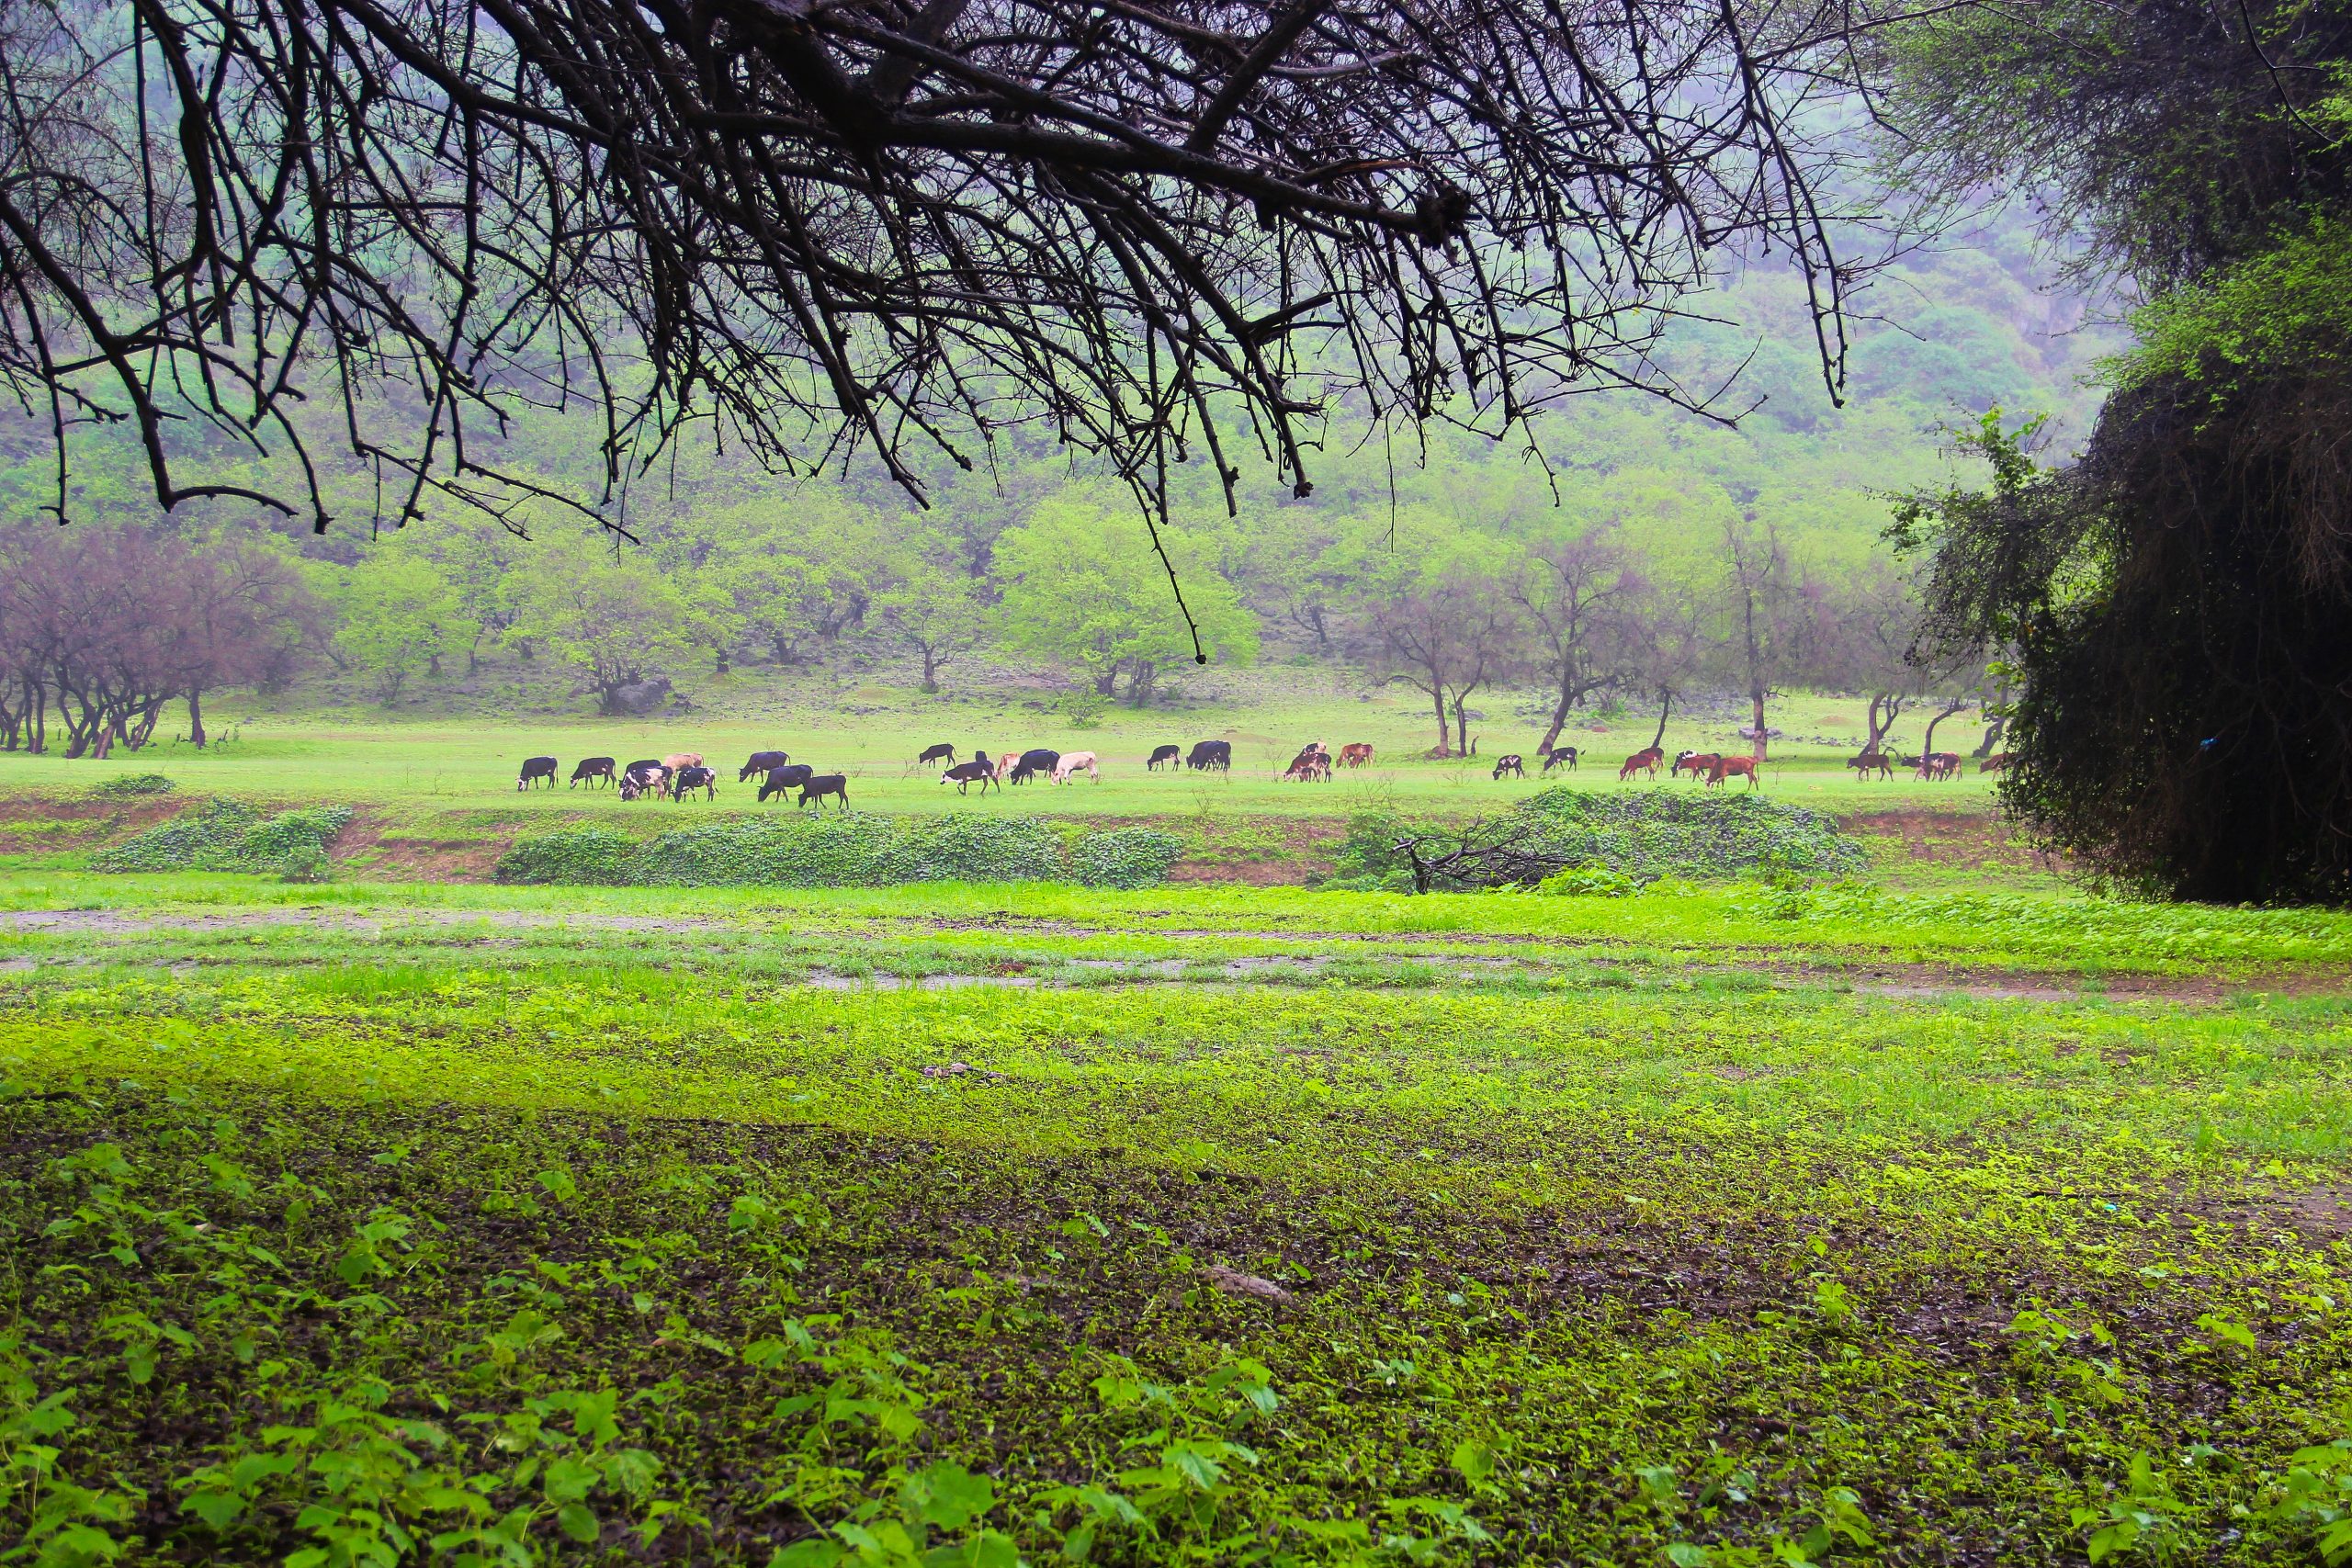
[(1612, 843), (228, 835), (857, 851), (130, 786)]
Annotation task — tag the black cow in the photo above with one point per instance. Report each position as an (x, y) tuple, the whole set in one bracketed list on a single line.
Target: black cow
[(1032, 764), (942, 752), (782, 779), (591, 768), (703, 779), (1509, 764), (963, 775), (823, 784), (537, 768), (1163, 754), (1559, 754), (1207, 754), (761, 762)]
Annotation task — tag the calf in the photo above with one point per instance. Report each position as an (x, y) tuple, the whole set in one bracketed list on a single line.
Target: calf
[(1211, 754), (1355, 754), (942, 752), (1072, 763), (537, 768), (963, 776), (1734, 767), (591, 768), (677, 760), (1559, 754), (1867, 762), (782, 779), (703, 779), (1310, 763), (1168, 754), (761, 762), (1510, 762), (823, 784), (1648, 757)]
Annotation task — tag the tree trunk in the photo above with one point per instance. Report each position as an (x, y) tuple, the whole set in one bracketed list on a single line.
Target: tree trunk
[(1559, 719), (1666, 706), (930, 669), (1444, 732), (196, 736), (1106, 685), (1462, 727), (1756, 700), (1927, 742), (1994, 728)]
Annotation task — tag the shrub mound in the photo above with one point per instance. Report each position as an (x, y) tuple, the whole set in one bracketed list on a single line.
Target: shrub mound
[(1571, 841), (850, 850), (129, 786), (228, 835)]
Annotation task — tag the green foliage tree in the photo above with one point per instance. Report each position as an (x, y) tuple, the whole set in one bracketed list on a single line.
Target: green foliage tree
[(398, 616), (932, 611), (1082, 587), (2177, 598), (615, 620)]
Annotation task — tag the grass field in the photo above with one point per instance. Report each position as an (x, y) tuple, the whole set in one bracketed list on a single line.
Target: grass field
[(373, 1224), (462, 763)]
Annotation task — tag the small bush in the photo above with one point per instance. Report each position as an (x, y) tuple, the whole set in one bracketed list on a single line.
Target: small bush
[(1589, 882), (226, 835), (1639, 835), (580, 857), (306, 862), (129, 786), (1124, 857)]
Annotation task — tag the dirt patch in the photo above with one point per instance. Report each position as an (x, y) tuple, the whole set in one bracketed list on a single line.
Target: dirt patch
[(363, 847), (1304, 856), (1950, 838)]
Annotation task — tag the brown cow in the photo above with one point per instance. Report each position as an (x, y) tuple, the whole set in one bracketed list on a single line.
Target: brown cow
[(1998, 763), (1866, 762), (1698, 762), (677, 760), (1648, 757), (1355, 754), (1939, 765), (1734, 767)]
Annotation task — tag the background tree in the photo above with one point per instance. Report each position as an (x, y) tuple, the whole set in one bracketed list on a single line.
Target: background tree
[(932, 611), (617, 622), (2177, 598), (399, 616), (1447, 627), (1576, 595), (1079, 590)]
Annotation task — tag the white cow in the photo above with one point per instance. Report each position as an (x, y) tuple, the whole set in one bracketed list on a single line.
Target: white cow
[(1073, 762)]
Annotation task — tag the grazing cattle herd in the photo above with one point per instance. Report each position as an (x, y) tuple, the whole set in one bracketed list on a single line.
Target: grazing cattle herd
[(681, 774)]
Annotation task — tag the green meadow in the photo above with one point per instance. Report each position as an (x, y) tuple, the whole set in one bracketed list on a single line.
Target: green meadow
[(377, 1223)]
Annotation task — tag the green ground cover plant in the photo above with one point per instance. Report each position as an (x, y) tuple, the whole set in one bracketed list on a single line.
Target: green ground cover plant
[(1630, 838), (852, 850), (131, 786), (510, 1224), (228, 835)]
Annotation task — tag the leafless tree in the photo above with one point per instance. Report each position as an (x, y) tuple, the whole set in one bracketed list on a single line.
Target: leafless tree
[(816, 224), (1448, 638), (1578, 597), (1775, 614)]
